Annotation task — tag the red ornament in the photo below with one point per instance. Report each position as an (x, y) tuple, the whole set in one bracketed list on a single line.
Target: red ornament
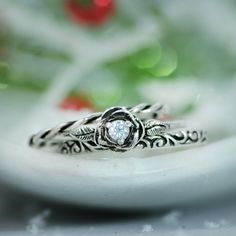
[(75, 103), (90, 12)]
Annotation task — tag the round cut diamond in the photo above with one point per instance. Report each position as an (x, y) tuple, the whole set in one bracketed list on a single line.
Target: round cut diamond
[(119, 130)]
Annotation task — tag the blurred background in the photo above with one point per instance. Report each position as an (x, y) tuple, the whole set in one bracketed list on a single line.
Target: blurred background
[(71, 55), (62, 56)]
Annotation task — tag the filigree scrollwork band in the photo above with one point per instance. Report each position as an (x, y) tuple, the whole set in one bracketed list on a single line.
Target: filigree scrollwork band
[(118, 129)]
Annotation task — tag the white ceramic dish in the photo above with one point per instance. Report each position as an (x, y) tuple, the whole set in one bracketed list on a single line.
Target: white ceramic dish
[(137, 180)]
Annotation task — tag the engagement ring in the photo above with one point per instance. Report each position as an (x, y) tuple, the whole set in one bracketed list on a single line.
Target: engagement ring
[(118, 129)]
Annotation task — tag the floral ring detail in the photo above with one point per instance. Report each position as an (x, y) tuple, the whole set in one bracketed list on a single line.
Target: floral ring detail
[(119, 129)]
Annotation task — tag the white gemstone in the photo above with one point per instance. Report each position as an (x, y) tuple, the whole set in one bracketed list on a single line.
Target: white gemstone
[(118, 130)]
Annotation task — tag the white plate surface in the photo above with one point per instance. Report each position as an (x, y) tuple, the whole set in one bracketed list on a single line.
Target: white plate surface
[(133, 180)]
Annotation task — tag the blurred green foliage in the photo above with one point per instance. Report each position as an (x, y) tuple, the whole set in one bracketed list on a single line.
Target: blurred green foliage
[(181, 51)]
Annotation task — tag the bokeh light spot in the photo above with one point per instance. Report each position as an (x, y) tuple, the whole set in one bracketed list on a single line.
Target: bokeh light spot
[(147, 58), (167, 64), (102, 3)]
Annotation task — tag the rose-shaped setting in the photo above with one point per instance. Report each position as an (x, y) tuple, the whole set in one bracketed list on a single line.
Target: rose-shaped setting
[(120, 130)]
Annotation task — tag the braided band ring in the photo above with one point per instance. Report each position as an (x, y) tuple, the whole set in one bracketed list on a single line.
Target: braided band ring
[(118, 129)]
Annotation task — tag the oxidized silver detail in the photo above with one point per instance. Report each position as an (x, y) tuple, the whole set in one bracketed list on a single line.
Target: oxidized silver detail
[(118, 129), (120, 115)]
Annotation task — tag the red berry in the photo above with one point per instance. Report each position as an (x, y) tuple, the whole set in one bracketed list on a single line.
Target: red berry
[(94, 12), (75, 103)]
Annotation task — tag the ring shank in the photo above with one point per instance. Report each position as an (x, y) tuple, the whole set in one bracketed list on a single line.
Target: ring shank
[(68, 145), (79, 136)]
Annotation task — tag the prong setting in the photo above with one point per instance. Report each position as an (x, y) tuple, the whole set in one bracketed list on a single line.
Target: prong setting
[(128, 123), (118, 130), (121, 141), (108, 125)]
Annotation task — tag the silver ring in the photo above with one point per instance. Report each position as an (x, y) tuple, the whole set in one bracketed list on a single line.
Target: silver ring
[(118, 129)]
